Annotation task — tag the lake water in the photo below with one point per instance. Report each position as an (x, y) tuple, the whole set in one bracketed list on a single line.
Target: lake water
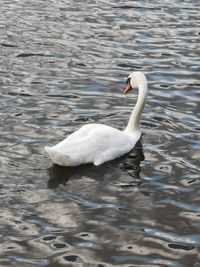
[(64, 64)]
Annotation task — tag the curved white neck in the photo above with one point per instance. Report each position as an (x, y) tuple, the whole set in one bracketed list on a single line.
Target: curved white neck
[(134, 121)]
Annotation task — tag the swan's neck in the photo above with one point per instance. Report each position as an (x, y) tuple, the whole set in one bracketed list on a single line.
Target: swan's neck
[(134, 121)]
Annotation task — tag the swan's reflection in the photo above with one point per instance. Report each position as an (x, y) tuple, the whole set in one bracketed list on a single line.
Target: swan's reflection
[(128, 164)]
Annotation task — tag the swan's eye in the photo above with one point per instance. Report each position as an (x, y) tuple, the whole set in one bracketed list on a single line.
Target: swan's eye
[(128, 80)]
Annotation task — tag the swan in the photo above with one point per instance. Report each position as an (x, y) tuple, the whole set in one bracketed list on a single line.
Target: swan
[(98, 143)]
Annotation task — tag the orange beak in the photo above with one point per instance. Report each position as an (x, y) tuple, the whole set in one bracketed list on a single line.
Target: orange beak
[(127, 88)]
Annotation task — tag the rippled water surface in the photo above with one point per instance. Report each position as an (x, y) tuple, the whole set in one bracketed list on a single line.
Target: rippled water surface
[(63, 64)]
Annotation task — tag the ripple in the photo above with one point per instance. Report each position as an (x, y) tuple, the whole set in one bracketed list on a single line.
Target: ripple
[(39, 262), (179, 246), (48, 238), (185, 206), (173, 237), (88, 245), (59, 245), (73, 258)]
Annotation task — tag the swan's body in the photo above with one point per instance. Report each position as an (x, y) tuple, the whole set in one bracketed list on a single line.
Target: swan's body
[(98, 143), (92, 143)]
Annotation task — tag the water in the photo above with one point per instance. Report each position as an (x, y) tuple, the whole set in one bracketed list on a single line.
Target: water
[(64, 64)]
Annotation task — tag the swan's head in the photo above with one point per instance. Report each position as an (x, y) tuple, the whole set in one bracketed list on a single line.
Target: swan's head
[(135, 80)]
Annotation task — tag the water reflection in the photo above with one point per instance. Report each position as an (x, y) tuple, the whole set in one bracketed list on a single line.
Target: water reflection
[(129, 163), (61, 65)]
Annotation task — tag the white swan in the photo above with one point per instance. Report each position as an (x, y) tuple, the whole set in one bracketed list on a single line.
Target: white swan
[(98, 143)]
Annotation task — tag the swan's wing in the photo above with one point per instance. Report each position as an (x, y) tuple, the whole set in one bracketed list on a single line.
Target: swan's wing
[(77, 135), (114, 144), (99, 143)]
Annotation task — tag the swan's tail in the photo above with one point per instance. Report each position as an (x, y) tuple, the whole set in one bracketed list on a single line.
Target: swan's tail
[(58, 157)]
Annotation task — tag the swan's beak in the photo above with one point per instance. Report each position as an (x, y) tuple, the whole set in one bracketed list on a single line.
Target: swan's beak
[(128, 88)]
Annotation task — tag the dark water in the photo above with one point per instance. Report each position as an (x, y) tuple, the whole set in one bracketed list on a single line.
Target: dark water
[(63, 64)]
